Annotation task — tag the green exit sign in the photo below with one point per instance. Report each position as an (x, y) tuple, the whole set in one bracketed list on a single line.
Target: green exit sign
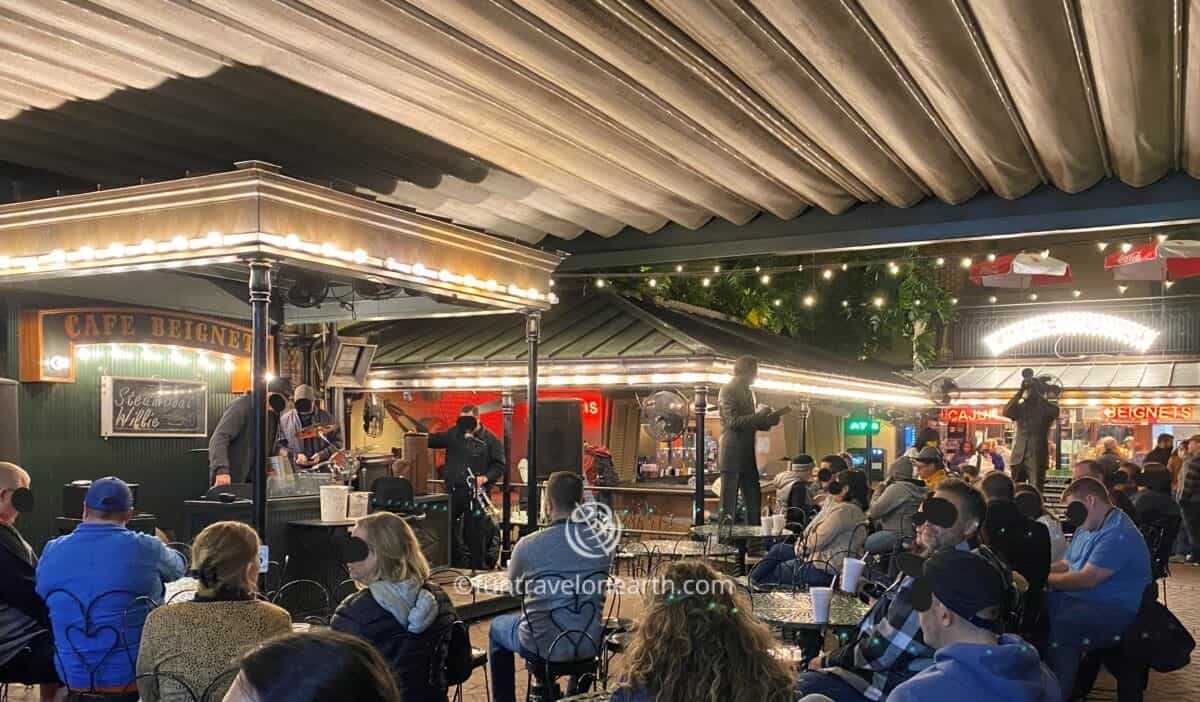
[(862, 427)]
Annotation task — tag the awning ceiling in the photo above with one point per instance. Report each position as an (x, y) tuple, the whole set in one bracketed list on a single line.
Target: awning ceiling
[(528, 117), (1158, 375)]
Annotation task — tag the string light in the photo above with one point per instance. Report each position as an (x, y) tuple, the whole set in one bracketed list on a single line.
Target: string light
[(1126, 246), (845, 266), (1102, 245), (966, 262), (679, 268), (1076, 293), (809, 300), (941, 261), (652, 283), (916, 303), (1122, 288), (777, 302), (1168, 283), (757, 269), (845, 303), (878, 302), (599, 282), (992, 299), (704, 282), (766, 279), (717, 268), (800, 268), (991, 257), (1033, 297), (893, 268), (954, 300), (827, 274)]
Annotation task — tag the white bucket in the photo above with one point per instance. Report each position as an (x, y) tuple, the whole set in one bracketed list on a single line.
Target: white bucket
[(360, 503), (333, 503)]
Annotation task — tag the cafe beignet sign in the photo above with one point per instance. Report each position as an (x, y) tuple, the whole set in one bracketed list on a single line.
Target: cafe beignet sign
[(48, 337), (153, 407)]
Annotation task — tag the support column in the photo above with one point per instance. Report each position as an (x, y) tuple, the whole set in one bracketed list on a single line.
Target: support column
[(260, 299), (870, 439), (533, 335), (802, 413), (701, 408), (506, 410)]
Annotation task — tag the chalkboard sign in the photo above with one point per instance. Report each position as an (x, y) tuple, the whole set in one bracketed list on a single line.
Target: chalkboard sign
[(153, 407)]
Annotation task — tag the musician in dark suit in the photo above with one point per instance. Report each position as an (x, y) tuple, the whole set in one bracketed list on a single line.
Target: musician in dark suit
[(469, 445), (1033, 413), (741, 419)]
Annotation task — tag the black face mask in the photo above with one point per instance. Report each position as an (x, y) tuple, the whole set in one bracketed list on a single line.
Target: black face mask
[(22, 500), (938, 512), (824, 475), (352, 549), (835, 487), (1077, 513), (466, 422), (276, 403), (304, 406)]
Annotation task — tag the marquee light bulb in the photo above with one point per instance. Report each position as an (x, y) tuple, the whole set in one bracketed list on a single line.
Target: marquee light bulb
[(827, 274), (966, 262), (991, 257), (1102, 245), (1033, 297), (1122, 288), (1060, 324), (757, 269), (1126, 247), (1168, 284)]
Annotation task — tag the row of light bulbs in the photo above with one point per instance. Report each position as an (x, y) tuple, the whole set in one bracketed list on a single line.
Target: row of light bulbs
[(153, 352), (61, 259)]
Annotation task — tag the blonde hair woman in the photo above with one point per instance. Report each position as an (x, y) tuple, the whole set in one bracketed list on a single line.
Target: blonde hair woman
[(199, 640), (397, 612), (698, 642)]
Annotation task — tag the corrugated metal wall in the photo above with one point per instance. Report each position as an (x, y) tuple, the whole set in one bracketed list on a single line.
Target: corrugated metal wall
[(60, 441)]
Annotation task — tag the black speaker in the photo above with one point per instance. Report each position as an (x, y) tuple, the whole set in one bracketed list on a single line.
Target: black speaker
[(10, 445), (559, 436)]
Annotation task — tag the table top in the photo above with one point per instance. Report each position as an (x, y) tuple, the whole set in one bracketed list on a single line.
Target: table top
[(493, 582), (671, 547), (181, 590), (597, 696), (794, 609), (734, 531)]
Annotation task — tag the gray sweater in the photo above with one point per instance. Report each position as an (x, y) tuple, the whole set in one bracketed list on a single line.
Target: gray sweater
[(896, 505), (562, 578)]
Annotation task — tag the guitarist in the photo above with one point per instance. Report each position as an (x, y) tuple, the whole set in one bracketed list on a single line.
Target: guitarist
[(741, 418)]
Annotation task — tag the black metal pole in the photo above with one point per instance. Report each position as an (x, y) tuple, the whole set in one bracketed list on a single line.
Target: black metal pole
[(533, 334), (260, 299), (701, 408), (803, 414), (870, 438), (506, 410)]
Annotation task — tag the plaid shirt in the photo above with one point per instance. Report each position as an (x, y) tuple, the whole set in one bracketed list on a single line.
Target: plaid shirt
[(889, 647)]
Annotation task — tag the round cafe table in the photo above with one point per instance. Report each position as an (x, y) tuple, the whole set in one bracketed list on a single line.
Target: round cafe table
[(739, 535), (493, 582), (793, 610)]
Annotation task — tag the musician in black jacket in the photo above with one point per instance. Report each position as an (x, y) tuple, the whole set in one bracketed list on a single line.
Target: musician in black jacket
[(468, 444)]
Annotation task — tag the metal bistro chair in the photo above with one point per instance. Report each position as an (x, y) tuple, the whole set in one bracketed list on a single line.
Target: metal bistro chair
[(183, 550), (393, 495), (305, 600), (90, 631), (1160, 539), (479, 659), (572, 652), (151, 684), (444, 577), (613, 629), (344, 589)]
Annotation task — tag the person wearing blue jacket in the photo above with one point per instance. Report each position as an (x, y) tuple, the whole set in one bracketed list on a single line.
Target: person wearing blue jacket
[(960, 598), (91, 581)]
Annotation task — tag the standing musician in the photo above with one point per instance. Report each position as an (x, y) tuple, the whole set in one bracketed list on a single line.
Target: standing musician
[(741, 418), (474, 461), (230, 448)]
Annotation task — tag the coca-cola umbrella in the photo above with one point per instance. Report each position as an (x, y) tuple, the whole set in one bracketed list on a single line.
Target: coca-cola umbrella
[(1166, 260), (1020, 270)]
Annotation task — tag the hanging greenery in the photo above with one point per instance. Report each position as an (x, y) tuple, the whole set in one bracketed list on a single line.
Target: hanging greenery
[(862, 311)]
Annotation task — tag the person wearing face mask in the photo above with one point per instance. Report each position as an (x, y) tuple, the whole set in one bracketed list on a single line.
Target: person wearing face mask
[(306, 453), (1098, 588), (26, 645), (832, 535), (471, 450), (889, 647), (230, 448)]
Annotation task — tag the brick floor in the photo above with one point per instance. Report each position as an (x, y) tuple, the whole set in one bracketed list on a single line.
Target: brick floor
[(1183, 597)]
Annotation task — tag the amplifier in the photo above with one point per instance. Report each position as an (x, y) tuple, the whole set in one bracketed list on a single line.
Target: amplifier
[(74, 492)]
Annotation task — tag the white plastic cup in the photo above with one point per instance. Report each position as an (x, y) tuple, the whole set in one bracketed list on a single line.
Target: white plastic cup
[(821, 596), (334, 502), (768, 526), (780, 523), (851, 569), (359, 504)]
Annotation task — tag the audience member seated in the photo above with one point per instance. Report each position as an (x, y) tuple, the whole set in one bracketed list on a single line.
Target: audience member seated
[(562, 586), (1110, 455), (195, 641), (831, 467), (1023, 543), (961, 610), (889, 647), (321, 666), (1155, 504), (1164, 446), (792, 488), (90, 580), (1029, 501), (893, 508), (832, 535), (1098, 588), (930, 466), (698, 640), (1094, 469), (398, 612), (26, 646)]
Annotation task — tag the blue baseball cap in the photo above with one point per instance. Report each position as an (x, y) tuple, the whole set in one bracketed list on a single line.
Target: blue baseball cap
[(109, 495)]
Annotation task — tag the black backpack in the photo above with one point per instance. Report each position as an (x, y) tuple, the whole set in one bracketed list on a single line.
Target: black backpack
[(458, 654)]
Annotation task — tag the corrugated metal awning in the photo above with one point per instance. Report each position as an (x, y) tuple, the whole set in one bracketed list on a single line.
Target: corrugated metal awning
[(1161, 375), (528, 117)]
